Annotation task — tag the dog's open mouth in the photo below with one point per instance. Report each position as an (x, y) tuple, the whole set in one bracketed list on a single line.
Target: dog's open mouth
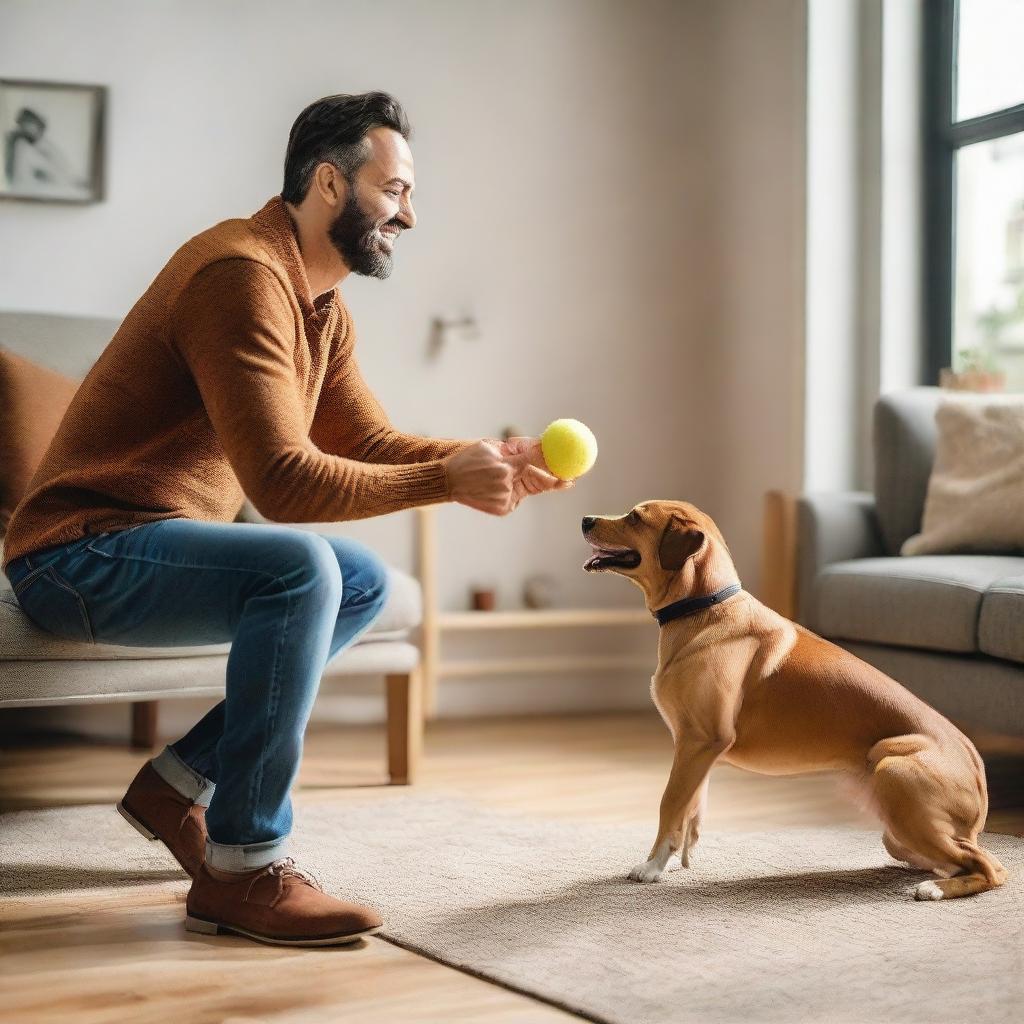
[(611, 558)]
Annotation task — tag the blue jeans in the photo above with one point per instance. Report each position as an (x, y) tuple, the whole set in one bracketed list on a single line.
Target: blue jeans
[(287, 599)]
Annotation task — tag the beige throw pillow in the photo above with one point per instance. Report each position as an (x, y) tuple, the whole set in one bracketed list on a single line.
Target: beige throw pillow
[(975, 499)]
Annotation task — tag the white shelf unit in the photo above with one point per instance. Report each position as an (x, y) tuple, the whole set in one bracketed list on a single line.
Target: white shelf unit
[(436, 623)]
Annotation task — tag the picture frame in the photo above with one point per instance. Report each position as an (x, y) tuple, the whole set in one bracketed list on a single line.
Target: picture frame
[(53, 141)]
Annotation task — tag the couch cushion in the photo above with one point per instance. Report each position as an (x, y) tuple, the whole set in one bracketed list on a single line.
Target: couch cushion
[(904, 438), (1001, 626), (931, 601), (22, 640)]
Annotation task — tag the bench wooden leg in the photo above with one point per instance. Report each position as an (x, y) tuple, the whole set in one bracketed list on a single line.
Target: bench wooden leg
[(144, 715), (405, 726)]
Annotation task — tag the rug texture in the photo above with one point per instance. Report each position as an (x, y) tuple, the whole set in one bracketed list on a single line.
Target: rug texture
[(794, 925)]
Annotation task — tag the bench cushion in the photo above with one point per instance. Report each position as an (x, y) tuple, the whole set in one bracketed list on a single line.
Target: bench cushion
[(22, 640), (931, 602), (44, 683)]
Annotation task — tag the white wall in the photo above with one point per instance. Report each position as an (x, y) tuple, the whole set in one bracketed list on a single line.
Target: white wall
[(833, 245), (901, 320), (614, 190), (864, 234)]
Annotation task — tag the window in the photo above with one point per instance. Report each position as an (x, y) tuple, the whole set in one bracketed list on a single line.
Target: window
[(975, 194)]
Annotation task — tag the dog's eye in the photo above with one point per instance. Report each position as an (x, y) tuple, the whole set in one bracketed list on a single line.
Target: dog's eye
[(633, 518)]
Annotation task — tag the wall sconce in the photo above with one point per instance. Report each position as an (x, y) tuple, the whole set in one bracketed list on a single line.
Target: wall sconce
[(441, 328)]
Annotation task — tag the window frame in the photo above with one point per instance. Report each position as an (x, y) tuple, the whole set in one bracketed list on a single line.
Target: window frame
[(944, 136)]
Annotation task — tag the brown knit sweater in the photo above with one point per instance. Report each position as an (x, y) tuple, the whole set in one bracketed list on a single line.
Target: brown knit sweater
[(226, 380)]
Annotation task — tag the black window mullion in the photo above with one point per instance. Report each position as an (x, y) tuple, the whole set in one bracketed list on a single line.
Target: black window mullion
[(988, 126), (939, 66), (943, 137)]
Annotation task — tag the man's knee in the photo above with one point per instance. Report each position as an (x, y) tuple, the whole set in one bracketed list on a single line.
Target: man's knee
[(304, 557)]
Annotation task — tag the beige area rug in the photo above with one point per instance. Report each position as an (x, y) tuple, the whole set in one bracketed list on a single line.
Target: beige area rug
[(794, 925)]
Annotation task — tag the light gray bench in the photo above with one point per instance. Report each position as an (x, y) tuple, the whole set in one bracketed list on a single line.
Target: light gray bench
[(38, 669)]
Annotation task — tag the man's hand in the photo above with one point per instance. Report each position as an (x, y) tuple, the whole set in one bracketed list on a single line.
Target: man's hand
[(532, 476), (494, 476)]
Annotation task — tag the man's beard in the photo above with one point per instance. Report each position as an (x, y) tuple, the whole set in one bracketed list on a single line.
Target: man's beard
[(355, 237)]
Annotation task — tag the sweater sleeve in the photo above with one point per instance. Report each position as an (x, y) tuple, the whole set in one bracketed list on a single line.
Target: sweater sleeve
[(234, 328), (351, 421)]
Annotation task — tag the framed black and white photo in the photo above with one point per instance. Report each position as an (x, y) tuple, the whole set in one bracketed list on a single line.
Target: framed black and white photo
[(52, 136)]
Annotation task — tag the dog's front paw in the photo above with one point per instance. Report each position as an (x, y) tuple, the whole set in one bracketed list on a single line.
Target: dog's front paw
[(646, 872)]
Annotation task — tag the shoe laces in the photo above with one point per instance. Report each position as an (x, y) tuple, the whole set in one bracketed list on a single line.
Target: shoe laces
[(286, 867)]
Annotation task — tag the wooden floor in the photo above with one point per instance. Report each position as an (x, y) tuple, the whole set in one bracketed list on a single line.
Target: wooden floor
[(123, 955)]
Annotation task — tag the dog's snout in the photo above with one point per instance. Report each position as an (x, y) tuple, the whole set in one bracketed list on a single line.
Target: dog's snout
[(588, 523)]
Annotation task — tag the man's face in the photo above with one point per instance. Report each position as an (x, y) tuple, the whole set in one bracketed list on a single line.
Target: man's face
[(378, 206)]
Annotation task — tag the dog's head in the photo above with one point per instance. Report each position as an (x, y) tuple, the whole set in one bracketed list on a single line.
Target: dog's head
[(670, 549)]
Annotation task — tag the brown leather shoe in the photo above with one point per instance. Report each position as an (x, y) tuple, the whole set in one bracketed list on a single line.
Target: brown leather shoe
[(279, 904), (159, 811)]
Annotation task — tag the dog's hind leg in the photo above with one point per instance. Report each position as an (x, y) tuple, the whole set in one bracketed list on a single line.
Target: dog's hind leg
[(933, 815), (900, 852), (980, 871)]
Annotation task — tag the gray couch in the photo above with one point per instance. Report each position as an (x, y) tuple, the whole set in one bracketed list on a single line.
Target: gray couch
[(39, 669), (949, 627)]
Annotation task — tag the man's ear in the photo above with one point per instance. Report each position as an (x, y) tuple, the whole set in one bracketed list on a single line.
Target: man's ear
[(331, 184), (679, 541)]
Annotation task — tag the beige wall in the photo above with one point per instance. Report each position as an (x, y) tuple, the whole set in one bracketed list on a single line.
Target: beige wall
[(746, 66), (614, 190)]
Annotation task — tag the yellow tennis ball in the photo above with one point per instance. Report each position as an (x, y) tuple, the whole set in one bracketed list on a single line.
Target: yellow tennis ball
[(569, 448)]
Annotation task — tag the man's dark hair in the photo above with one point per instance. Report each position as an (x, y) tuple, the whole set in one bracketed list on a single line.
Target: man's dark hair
[(333, 129)]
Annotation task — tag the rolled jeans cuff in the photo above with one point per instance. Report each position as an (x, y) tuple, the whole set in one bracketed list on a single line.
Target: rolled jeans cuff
[(244, 858), (187, 781)]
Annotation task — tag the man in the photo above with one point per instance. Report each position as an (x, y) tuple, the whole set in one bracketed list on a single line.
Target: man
[(234, 375)]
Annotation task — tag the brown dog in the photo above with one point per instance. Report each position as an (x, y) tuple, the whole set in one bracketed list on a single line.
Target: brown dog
[(739, 682)]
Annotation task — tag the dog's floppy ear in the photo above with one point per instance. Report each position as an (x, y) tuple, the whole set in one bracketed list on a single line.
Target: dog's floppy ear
[(679, 541)]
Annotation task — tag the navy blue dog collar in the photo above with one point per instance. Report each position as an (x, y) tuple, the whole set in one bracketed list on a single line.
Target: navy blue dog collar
[(692, 605)]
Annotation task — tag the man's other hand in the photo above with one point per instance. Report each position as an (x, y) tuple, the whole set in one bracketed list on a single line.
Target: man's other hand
[(481, 478)]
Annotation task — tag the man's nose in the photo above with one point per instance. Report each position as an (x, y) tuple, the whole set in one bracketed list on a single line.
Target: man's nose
[(407, 215), (588, 523)]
